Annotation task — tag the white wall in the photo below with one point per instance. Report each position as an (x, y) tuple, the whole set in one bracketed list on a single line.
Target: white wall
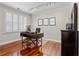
[(62, 17), (50, 32), (6, 37)]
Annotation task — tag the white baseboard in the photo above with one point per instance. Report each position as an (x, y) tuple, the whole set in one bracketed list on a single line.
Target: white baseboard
[(3, 43), (48, 39)]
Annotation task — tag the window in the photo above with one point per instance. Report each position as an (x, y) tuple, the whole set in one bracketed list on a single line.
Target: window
[(15, 23), (20, 23), (24, 23), (8, 22)]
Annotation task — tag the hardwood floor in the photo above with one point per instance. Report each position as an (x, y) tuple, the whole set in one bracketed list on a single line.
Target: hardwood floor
[(11, 48), (31, 52), (50, 48)]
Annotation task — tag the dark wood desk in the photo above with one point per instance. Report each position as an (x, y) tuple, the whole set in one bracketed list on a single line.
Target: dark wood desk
[(34, 37)]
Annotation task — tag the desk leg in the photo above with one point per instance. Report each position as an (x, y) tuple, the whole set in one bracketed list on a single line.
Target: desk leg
[(41, 44), (36, 42), (22, 42)]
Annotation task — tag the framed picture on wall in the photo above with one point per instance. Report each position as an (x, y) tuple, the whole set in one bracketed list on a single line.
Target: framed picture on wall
[(45, 21), (40, 22), (52, 21)]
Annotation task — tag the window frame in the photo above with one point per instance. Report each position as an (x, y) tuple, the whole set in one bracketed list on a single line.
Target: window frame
[(12, 31)]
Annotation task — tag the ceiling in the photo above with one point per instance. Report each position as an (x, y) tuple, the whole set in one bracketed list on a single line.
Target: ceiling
[(31, 7)]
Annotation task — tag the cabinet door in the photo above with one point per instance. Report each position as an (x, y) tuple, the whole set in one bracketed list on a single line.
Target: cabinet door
[(68, 43)]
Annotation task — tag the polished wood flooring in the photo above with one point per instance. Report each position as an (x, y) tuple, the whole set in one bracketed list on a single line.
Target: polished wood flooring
[(31, 52), (10, 48), (50, 48)]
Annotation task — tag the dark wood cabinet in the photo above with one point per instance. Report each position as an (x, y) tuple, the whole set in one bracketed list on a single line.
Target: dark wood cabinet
[(70, 36), (69, 43)]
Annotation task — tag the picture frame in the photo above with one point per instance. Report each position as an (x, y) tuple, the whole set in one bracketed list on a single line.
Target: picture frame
[(52, 21), (45, 22), (40, 22)]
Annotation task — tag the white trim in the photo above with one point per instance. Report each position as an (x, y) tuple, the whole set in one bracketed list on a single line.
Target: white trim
[(3, 43), (48, 39)]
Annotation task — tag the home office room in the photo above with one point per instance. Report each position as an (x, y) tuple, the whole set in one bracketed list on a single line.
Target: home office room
[(38, 28)]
